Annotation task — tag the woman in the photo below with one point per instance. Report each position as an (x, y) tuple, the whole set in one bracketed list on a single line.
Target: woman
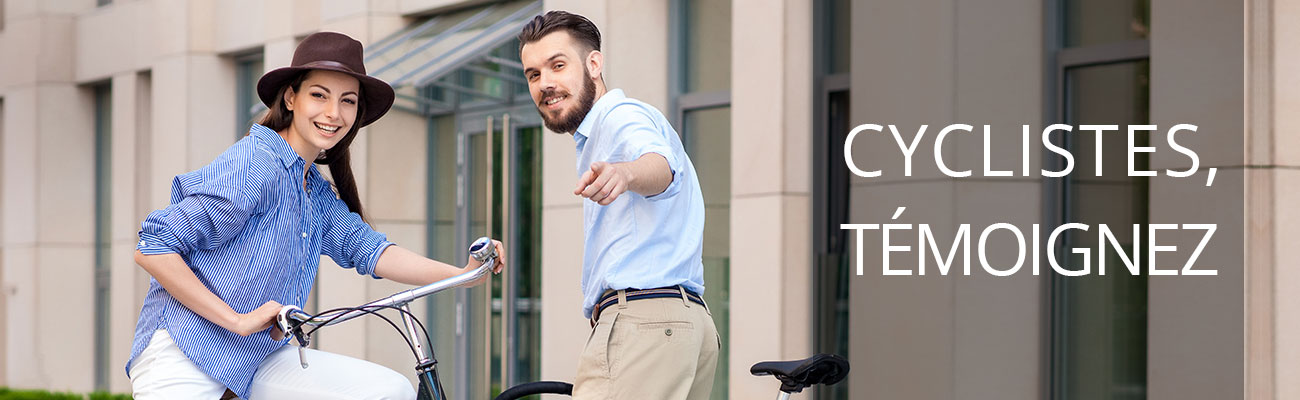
[(244, 234)]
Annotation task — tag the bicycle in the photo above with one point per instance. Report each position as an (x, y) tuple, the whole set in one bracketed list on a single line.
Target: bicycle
[(794, 375)]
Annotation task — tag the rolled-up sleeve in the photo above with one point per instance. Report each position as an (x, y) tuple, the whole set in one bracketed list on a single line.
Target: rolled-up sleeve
[(638, 135), (350, 241), (209, 207)]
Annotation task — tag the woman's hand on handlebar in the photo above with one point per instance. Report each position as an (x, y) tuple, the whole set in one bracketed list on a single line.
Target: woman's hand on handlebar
[(473, 264), (258, 320)]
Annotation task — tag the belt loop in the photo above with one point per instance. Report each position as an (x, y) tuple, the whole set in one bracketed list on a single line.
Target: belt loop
[(622, 299), (686, 302)]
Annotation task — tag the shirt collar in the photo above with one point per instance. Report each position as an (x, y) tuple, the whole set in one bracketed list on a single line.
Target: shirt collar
[(609, 99), (278, 146)]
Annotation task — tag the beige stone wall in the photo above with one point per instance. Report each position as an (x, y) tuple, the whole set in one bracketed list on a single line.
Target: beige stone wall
[(47, 188), (771, 136), (918, 62), (1195, 324), (1272, 322), (939, 62)]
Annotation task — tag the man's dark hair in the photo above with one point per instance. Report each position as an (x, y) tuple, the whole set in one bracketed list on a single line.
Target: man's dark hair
[(578, 26)]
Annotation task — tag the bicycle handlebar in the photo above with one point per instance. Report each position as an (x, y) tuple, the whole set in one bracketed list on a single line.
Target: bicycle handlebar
[(292, 318)]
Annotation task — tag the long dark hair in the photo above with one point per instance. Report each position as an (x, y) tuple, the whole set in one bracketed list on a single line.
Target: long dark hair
[(339, 160)]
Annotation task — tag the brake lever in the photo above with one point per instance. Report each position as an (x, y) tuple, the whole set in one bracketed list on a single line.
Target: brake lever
[(296, 331)]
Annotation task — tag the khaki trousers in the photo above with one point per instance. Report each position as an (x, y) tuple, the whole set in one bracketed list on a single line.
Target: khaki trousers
[(663, 348)]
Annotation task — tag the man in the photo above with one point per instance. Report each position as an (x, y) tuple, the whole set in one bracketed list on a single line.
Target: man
[(652, 335)]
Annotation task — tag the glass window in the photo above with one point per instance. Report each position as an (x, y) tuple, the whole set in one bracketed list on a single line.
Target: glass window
[(103, 195), (527, 248), (839, 36), (831, 298), (1093, 22), (248, 107), (441, 319), (707, 46), (1103, 319), (429, 49), (831, 188), (707, 138)]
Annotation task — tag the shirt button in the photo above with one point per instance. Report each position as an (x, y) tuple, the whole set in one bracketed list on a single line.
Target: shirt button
[(304, 234), (668, 332)]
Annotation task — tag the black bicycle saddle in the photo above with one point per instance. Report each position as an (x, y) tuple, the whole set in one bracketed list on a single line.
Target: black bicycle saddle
[(798, 374)]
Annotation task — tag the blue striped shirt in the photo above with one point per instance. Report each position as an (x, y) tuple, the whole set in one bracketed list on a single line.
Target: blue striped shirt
[(249, 231)]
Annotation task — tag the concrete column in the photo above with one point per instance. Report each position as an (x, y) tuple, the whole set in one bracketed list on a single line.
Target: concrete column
[(1272, 318), (771, 124), (635, 45), (47, 204), (1205, 362)]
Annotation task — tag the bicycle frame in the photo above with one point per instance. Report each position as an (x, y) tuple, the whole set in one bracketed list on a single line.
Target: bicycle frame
[(292, 319)]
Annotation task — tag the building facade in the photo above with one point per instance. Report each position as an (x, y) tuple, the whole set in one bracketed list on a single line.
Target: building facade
[(102, 102)]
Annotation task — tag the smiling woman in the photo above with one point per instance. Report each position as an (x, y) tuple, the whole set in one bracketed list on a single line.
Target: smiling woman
[(312, 131), (243, 237)]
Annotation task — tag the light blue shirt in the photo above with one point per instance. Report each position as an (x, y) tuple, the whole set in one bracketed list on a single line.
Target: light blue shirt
[(638, 242), (250, 233)]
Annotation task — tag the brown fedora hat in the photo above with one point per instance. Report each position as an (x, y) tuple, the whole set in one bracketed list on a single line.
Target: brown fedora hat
[(331, 51)]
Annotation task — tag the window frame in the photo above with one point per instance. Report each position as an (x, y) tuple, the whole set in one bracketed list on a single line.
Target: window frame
[(1058, 60), (681, 102)]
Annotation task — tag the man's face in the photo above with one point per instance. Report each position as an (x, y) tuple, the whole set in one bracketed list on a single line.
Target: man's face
[(558, 80)]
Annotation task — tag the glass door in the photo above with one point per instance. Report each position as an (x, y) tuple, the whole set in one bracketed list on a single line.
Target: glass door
[(492, 160)]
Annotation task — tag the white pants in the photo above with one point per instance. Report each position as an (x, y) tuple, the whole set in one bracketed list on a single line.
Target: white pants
[(162, 371)]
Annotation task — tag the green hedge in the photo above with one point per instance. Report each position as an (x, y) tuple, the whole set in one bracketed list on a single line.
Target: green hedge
[(28, 394)]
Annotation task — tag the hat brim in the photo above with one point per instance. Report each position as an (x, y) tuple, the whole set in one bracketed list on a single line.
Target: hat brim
[(376, 95)]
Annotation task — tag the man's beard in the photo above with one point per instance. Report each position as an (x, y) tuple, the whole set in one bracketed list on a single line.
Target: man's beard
[(568, 123)]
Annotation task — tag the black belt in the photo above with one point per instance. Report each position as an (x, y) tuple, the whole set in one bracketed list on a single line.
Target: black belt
[(611, 297)]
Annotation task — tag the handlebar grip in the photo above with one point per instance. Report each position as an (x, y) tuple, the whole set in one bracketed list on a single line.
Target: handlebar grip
[(482, 249), (290, 321)]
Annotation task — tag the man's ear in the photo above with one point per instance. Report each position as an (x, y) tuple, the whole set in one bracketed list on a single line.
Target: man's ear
[(596, 64)]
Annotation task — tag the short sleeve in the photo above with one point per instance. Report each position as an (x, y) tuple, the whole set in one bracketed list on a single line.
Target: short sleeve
[(636, 134)]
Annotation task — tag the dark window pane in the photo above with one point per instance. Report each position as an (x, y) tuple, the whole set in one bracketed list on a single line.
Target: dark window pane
[(839, 36), (1093, 22), (248, 107), (103, 238), (1101, 338), (708, 46), (831, 296), (707, 138)]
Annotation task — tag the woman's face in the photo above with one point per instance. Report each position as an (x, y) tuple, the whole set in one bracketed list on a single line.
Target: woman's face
[(324, 109)]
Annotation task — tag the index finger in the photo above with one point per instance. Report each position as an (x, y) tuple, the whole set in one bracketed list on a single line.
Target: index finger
[(586, 179)]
